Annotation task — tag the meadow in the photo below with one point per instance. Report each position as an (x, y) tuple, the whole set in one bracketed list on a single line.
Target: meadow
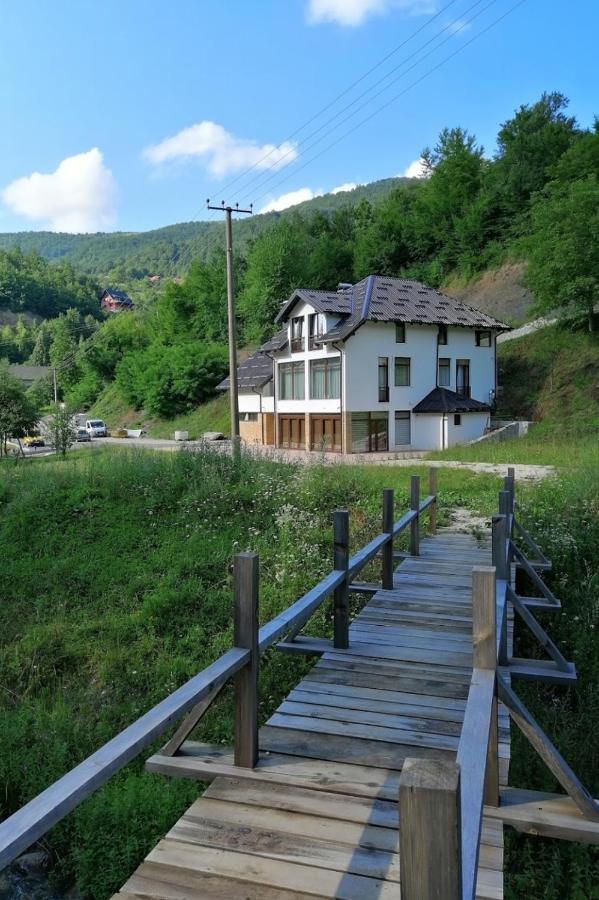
[(116, 586)]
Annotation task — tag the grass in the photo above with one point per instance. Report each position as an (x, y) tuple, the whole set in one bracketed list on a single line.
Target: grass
[(211, 416), (116, 589), (544, 445)]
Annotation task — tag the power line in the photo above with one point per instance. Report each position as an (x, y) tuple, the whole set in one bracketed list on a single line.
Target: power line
[(453, 28), (343, 93), (395, 97)]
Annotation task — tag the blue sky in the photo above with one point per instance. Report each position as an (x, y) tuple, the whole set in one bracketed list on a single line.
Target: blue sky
[(127, 114)]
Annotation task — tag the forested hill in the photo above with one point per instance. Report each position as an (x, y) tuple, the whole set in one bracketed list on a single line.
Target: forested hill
[(171, 250)]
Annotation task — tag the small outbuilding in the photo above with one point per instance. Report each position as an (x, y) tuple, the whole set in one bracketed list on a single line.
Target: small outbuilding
[(115, 301)]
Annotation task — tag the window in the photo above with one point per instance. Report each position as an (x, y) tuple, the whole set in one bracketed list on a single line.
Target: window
[(442, 335), (325, 379), (483, 338), (444, 372), (297, 334), (291, 381), (369, 432), (317, 327), (457, 419), (383, 379), (249, 417), (402, 371), (462, 377), (403, 435), (400, 333)]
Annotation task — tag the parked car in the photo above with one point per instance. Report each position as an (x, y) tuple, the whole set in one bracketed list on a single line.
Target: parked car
[(96, 428), (34, 440), (81, 434)]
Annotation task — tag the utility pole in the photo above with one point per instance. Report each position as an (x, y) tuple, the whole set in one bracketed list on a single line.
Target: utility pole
[(55, 386), (233, 392)]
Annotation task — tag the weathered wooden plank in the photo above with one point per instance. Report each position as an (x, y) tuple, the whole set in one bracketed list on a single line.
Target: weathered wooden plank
[(162, 882), (387, 551), (340, 564), (293, 706), (245, 581), (20, 830), (299, 612), (547, 815)]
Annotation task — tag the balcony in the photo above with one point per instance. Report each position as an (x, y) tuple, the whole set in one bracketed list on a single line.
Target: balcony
[(314, 342), (297, 345)]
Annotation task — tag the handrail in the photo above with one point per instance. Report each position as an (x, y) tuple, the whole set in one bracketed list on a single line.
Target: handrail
[(33, 820)]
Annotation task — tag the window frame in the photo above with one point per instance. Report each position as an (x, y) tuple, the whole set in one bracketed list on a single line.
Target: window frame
[(464, 363), (296, 367), (297, 334), (442, 335), (402, 362), (402, 414), (383, 365), (313, 333), (329, 363), (479, 333), (400, 332), (446, 360), (457, 419)]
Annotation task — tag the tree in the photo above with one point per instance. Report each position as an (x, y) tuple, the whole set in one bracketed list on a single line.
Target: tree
[(18, 414), (564, 251), (60, 429)]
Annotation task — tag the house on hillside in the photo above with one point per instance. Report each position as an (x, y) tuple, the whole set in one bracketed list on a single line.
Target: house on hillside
[(383, 365), (28, 375), (115, 301)]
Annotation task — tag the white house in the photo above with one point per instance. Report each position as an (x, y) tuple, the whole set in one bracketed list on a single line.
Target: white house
[(382, 365)]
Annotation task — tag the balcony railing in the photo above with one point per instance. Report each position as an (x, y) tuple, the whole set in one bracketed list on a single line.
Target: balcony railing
[(297, 344), (314, 342), (384, 394)]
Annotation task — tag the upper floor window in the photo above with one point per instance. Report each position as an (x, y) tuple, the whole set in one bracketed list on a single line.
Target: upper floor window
[(444, 372), (462, 377), (400, 333), (402, 371), (297, 334), (483, 338), (442, 335), (383, 379), (317, 327), (325, 379), (291, 381)]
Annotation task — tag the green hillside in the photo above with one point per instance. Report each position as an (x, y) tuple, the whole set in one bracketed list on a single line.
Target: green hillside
[(171, 250)]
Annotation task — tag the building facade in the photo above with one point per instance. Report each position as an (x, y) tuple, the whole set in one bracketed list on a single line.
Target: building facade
[(383, 365)]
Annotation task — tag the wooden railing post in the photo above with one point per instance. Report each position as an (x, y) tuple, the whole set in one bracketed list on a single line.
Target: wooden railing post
[(341, 593), (501, 564), (430, 830), (387, 552), (415, 523), (245, 578), (484, 641), (432, 489)]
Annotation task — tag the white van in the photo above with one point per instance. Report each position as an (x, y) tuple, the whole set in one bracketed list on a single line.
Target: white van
[(96, 428)]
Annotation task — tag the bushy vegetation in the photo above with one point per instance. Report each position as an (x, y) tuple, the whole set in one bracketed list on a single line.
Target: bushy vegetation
[(116, 589)]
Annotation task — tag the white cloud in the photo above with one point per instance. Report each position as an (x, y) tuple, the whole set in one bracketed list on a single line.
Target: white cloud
[(290, 199), (78, 196), (416, 169), (458, 26), (355, 12), (348, 186), (220, 150)]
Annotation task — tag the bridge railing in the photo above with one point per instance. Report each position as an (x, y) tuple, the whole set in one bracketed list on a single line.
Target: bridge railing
[(441, 801), (240, 663)]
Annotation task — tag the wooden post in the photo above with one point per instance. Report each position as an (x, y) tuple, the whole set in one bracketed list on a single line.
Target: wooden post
[(432, 489), (415, 523), (502, 569), (430, 830), (509, 485), (245, 579), (341, 593), (505, 502), (484, 641), (387, 552)]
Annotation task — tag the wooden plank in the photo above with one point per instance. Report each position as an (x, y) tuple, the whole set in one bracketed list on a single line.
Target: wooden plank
[(484, 637), (541, 670), (190, 722), (430, 827), (29, 823), (332, 712), (546, 815), (299, 612), (538, 631), (548, 752), (161, 882)]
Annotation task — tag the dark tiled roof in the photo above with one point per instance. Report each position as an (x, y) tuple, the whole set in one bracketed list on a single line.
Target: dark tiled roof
[(334, 302), (119, 296), (380, 299), (278, 342), (255, 372), (443, 400)]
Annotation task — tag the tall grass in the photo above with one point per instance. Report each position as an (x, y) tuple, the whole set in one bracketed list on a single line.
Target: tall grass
[(116, 588)]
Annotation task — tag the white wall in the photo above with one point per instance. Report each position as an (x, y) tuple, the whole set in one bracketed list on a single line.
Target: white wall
[(249, 401), (427, 431), (473, 426)]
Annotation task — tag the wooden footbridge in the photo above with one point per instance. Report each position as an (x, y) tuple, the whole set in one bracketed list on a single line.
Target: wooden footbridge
[(384, 773)]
